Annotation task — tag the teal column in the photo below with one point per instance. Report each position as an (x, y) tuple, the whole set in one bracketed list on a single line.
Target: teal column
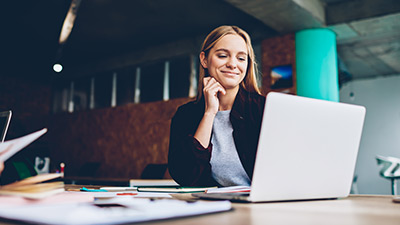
[(316, 64)]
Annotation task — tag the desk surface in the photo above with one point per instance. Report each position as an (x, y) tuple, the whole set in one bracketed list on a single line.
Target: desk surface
[(360, 209), (357, 209)]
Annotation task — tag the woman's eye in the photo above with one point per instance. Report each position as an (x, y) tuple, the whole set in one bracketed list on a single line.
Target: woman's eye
[(242, 59), (222, 56)]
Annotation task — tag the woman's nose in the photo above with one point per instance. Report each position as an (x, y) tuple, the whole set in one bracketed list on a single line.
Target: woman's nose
[(231, 63)]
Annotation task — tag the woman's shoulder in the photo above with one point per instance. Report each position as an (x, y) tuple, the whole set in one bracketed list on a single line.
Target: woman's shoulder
[(257, 96), (188, 116), (190, 108), (253, 97), (257, 101)]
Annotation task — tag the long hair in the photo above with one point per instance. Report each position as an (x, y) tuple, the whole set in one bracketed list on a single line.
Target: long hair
[(249, 83)]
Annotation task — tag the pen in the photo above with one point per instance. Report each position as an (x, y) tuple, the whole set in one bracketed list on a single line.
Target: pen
[(92, 190)]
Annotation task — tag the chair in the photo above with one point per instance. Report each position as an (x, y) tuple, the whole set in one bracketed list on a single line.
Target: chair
[(390, 170)]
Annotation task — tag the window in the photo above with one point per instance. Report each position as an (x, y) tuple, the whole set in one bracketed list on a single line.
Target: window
[(152, 82), (60, 97), (179, 76), (102, 90), (126, 86), (169, 79), (81, 94)]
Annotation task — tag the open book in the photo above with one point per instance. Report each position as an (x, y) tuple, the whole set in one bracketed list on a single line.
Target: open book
[(35, 187)]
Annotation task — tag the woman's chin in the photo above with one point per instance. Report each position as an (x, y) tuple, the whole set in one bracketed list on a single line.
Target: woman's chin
[(230, 86)]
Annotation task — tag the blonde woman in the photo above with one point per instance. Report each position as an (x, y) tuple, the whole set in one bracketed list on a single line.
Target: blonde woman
[(214, 139)]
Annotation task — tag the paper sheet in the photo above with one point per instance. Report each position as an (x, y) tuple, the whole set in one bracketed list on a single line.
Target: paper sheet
[(123, 210), (135, 194), (9, 148), (64, 197)]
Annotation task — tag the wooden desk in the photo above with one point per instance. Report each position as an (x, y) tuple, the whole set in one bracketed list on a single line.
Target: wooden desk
[(360, 209)]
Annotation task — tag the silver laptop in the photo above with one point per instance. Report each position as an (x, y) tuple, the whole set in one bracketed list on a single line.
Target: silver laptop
[(5, 118), (307, 150)]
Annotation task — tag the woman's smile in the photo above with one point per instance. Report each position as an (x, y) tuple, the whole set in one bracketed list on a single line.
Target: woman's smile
[(231, 73)]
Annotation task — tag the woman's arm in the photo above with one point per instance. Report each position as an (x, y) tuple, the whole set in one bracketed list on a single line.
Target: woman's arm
[(190, 139), (188, 160), (210, 91)]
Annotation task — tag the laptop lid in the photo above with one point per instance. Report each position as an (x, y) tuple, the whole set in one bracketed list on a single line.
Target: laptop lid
[(5, 118), (307, 149)]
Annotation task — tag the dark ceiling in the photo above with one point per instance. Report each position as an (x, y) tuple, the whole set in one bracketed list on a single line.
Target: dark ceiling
[(114, 27), (109, 28)]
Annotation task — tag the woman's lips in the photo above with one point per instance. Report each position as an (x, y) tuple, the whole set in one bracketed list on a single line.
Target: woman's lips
[(230, 73)]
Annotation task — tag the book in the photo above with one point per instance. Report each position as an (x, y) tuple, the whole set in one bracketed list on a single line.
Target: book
[(135, 183), (153, 183), (36, 187), (31, 187)]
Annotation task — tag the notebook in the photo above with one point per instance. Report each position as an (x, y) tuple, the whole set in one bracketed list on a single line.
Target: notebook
[(5, 118), (307, 150)]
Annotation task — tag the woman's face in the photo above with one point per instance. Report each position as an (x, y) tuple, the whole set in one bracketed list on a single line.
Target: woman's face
[(227, 61)]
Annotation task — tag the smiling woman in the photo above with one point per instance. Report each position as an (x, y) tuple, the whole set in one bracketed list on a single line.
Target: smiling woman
[(225, 119), (227, 62)]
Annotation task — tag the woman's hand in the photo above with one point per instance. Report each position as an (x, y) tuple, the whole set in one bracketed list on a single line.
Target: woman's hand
[(211, 90), (1, 167)]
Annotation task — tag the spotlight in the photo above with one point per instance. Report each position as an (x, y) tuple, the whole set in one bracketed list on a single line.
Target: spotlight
[(57, 67)]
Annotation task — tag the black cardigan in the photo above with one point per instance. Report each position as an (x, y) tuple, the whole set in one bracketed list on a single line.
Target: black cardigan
[(189, 162)]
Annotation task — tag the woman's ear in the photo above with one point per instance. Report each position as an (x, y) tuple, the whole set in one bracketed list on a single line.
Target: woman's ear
[(203, 60)]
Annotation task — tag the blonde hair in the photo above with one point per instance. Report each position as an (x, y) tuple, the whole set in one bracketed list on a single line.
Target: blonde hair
[(249, 83)]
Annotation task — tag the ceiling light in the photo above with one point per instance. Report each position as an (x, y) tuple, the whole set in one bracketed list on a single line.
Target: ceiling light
[(57, 68)]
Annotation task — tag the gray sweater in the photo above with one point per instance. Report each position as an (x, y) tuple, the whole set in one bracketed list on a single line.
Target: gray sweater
[(226, 167)]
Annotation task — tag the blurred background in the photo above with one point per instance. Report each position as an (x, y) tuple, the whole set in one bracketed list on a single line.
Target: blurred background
[(127, 65)]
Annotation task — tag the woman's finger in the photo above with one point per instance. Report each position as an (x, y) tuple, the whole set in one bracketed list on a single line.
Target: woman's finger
[(206, 80), (216, 87)]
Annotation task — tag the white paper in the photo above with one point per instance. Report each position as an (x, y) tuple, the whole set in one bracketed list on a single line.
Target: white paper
[(9, 148), (119, 189), (132, 210), (136, 194)]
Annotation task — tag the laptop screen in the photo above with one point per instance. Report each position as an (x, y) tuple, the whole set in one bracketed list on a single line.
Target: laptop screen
[(5, 118)]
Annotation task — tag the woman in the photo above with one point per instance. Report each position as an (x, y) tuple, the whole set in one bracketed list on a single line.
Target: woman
[(214, 139)]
